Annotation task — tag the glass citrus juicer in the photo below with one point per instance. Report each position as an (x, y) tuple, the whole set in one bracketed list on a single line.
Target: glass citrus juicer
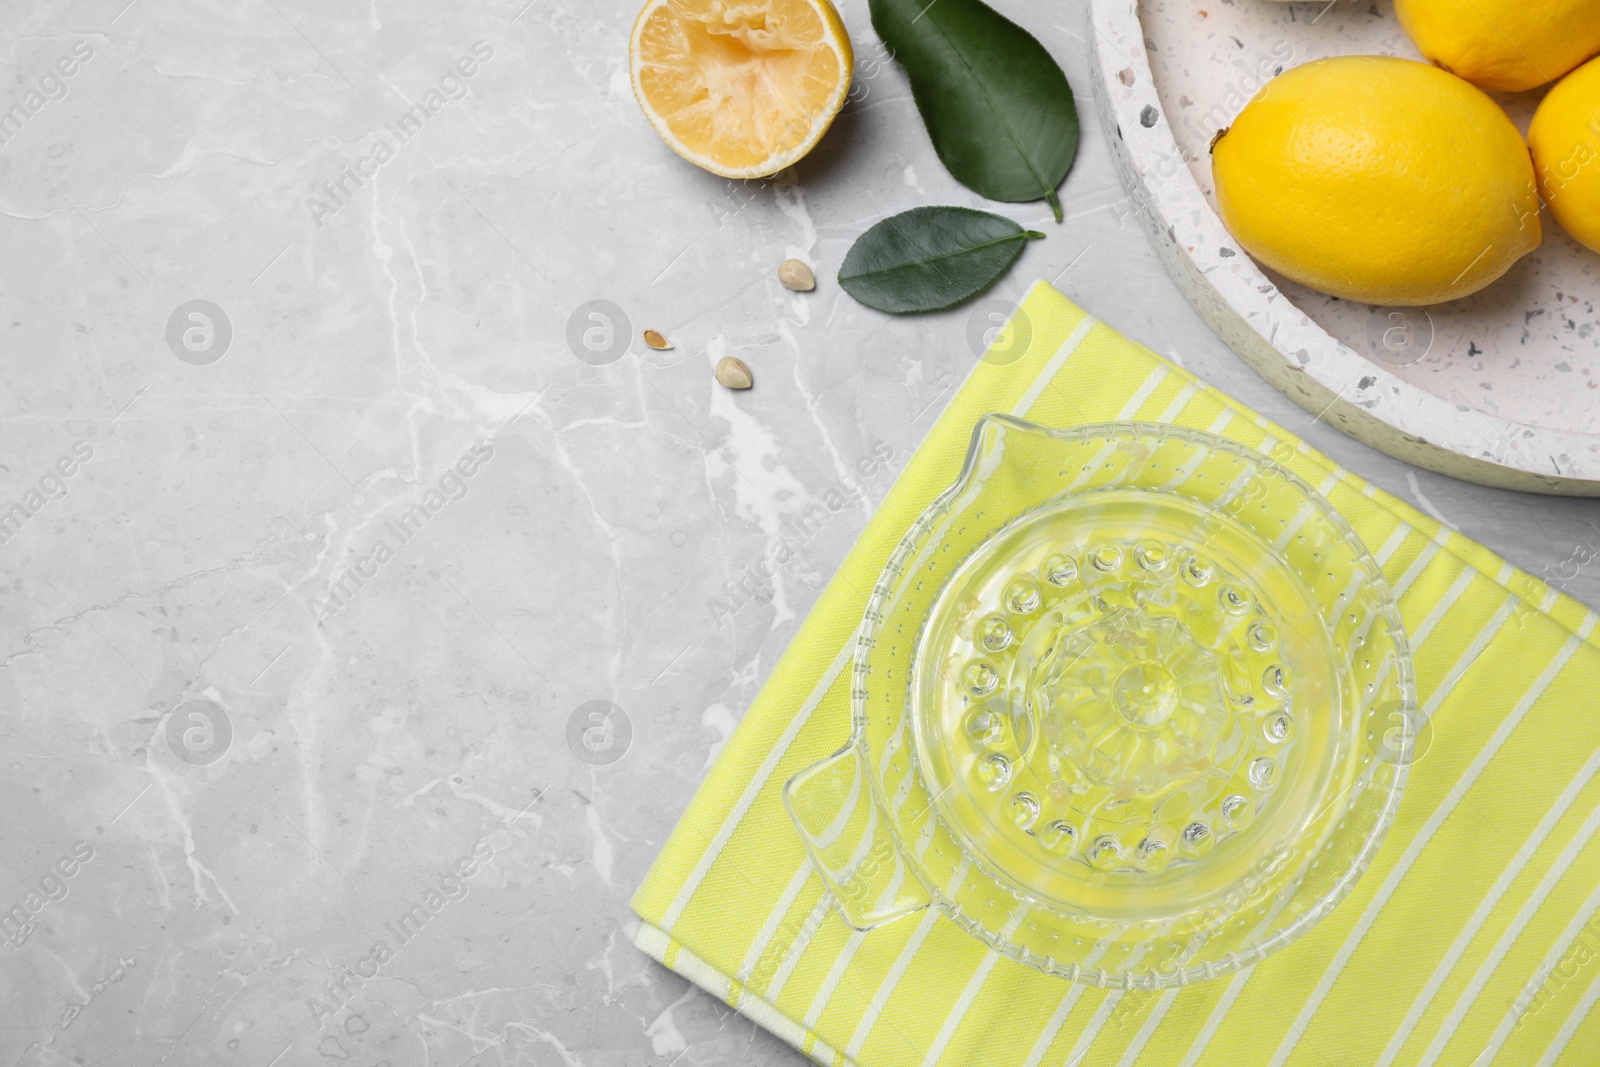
[(1131, 705)]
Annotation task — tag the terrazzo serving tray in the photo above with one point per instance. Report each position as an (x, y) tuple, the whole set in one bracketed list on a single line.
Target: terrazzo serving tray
[(1501, 388)]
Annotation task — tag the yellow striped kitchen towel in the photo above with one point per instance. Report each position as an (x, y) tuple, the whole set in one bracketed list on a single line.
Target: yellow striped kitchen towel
[(1474, 938)]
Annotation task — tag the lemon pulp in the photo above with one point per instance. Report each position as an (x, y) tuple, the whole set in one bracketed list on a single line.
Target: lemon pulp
[(742, 89)]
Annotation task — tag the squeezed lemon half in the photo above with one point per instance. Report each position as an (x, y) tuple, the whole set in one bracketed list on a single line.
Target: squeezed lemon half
[(740, 88)]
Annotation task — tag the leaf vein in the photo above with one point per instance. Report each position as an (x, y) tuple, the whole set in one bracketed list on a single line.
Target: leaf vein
[(933, 20), (1020, 235)]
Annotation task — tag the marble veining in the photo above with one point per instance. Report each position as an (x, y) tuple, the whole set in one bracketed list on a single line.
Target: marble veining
[(372, 600)]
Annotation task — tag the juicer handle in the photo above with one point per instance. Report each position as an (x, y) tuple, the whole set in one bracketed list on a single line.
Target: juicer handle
[(847, 832)]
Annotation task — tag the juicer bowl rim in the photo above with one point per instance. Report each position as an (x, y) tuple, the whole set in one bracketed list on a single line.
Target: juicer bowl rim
[(888, 583)]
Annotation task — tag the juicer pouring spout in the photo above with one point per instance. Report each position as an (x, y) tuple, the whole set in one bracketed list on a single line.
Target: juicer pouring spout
[(846, 830)]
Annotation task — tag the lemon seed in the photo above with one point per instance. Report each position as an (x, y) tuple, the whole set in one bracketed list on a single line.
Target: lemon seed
[(797, 276), (733, 373)]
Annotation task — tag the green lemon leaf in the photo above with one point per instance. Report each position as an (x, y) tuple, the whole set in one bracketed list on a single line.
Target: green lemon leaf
[(998, 108), (930, 258)]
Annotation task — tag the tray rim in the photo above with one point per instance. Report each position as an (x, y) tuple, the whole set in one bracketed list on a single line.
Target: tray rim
[(1249, 312)]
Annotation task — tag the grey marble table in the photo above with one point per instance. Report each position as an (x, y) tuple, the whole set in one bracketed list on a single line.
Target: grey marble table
[(311, 585)]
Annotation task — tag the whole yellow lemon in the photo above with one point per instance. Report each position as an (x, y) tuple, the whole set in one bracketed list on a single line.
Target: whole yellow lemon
[(1565, 139), (1507, 45), (1377, 179)]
